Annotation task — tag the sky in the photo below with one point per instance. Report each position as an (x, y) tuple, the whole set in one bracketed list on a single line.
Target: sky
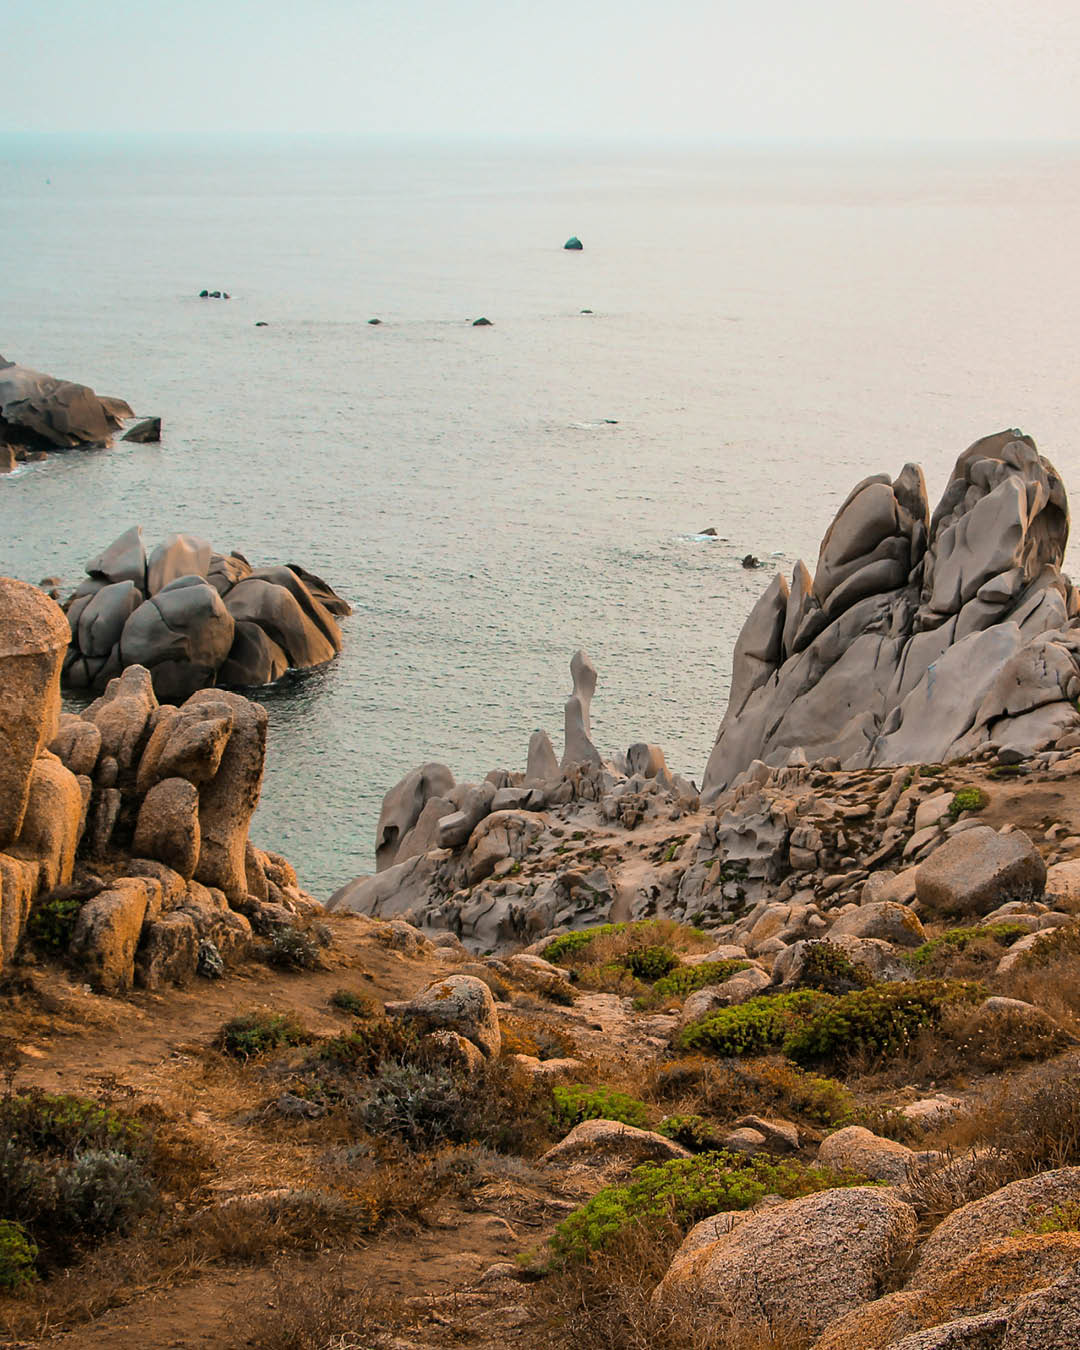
[(716, 70)]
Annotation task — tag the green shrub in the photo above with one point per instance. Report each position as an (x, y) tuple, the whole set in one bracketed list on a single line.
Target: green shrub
[(881, 1020), (576, 1103), (956, 939), (967, 799), (52, 922), (766, 1086), (254, 1033), (649, 963), (687, 979), (102, 1191), (291, 948), (17, 1256), (356, 1005), (58, 1123), (683, 1192), (641, 933), (380, 1040), (696, 1133), (751, 1027), (826, 966)]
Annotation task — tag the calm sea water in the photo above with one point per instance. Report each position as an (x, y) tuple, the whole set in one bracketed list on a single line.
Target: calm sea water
[(767, 328)]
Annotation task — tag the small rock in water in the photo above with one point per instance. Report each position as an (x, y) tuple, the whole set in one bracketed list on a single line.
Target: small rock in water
[(261, 323), (574, 243), (585, 311), (482, 323), (144, 432), (711, 532), (750, 561), (204, 295), (375, 321), (611, 421)]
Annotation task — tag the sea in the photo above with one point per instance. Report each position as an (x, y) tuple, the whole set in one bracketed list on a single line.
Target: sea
[(746, 333)]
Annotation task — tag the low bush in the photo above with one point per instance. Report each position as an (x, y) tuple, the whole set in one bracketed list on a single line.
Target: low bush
[(364, 1049), (291, 948), (880, 1021), (765, 1086), (356, 1005), (688, 979), (934, 957), (72, 1171), (752, 1027), (1060, 942), (827, 967), (684, 1191), (255, 1033), (1034, 1118), (649, 963), (17, 1256), (967, 799), (52, 921), (575, 1103), (696, 1133), (610, 941)]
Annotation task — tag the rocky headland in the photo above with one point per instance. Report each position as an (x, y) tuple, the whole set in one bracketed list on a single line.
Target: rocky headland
[(593, 1057), (195, 618)]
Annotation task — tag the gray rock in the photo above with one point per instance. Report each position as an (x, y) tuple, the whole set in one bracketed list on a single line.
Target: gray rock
[(460, 1003), (543, 764), (882, 919), (123, 560), (918, 639), (57, 412), (181, 635), (254, 658), (181, 555), (974, 872), (402, 805), (277, 611), (578, 748), (146, 432), (102, 619), (168, 826)]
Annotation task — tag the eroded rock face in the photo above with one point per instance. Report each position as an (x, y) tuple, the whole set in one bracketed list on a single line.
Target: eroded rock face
[(978, 870), (799, 1264), (40, 411), (33, 635), (917, 639), (460, 1003), (195, 618)]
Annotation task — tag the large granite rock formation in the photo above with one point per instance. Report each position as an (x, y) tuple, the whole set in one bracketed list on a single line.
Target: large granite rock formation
[(128, 824), (40, 413), (918, 638), (195, 618)]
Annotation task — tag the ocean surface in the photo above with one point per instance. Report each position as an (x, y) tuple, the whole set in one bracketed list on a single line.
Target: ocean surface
[(767, 328)]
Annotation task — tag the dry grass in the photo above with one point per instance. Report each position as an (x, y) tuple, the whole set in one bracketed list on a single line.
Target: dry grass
[(726, 1089), (608, 1302), (321, 1312)]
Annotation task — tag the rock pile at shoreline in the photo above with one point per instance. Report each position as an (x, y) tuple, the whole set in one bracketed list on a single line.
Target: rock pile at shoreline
[(195, 618), (919, 638), (124, 831), (39, 413)]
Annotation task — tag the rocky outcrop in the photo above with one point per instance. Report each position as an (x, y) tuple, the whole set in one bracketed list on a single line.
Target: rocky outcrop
[(137, 810), (41, 413), (918, 638), (195, 618)]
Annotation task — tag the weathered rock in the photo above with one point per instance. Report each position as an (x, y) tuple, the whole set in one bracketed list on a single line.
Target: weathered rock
[(855, 1149), (102, 620), (182, 635), (123, 560), (77, 744), (227, 802), (882, 919), (56, 412), (402, 805), (53, 821), (502, 835), (180, 555), (254, 658), (277, 611), (1048, 1319), (146, 432), (33, 636), (542, 765), (984, 1331), (460, 1003), (19, 881), (122, 715), (578, 746), (881, 1322), (979, 869), (168, 826), (798, 1264), (168, 952), (603, 1142), (188, 744), (107, 934), (918, 639), (998, 1215)]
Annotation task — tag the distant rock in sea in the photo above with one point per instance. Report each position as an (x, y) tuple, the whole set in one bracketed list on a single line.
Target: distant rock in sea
[(145, 432), (482, 323), (574, 244), (40, 413), (750, 562), (261, 323), (375, 321), (214, 295), (195, 618)]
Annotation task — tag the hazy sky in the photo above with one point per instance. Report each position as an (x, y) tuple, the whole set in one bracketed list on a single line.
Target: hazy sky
[(724, 69)]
